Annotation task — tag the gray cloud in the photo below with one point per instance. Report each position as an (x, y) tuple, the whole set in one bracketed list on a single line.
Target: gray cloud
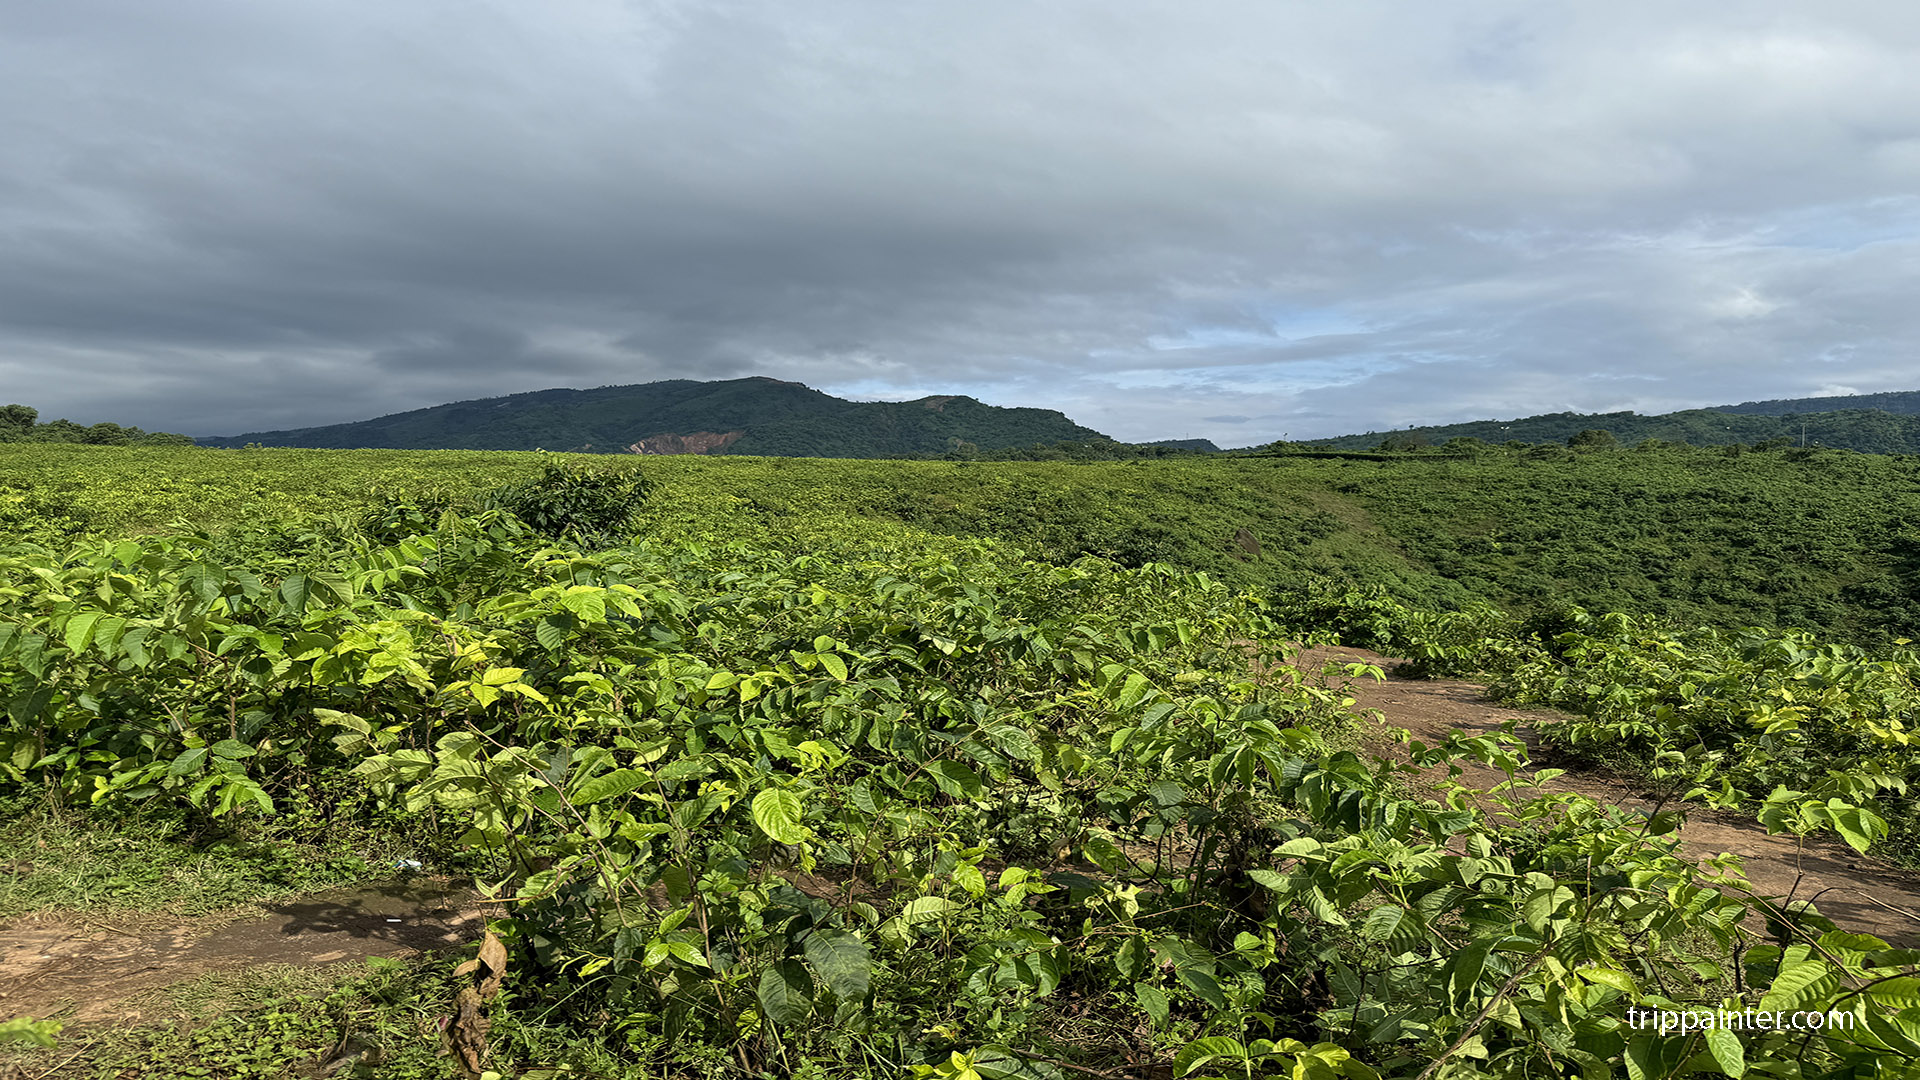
[(1240, 221)]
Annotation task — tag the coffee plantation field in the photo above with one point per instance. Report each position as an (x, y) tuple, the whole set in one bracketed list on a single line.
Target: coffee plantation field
[(942, 769)]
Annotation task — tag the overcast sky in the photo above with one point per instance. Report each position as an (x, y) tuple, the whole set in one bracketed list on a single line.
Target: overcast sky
[(1237, 220)]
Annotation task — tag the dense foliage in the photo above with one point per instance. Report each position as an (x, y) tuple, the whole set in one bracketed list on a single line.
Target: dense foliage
[(1757, 718), (1822, 542), (21, 423), (740, 416), (811, 797)]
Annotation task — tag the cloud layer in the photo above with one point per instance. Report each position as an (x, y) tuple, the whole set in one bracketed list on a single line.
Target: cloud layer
[(1238, 220)]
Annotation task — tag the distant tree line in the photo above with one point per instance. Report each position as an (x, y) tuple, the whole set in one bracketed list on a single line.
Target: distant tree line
[(1073, 450), (1868, 431), (1417, 443), (21, 423)]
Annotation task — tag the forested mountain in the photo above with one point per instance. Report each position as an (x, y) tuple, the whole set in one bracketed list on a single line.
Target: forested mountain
[(1871, 431), (1904, 402), (680, 416)]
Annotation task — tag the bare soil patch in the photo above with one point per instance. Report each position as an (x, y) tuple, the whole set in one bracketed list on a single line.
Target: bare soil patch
[(1859, 893), (105, 969)]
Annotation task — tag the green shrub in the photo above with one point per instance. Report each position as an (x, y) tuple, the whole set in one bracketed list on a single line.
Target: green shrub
[(591, 502), (394, 518)]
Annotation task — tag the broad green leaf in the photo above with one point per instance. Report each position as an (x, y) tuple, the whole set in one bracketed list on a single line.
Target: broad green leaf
[(1384, 922), (608, 786), (1901, 992), (1322, 908), (80, 630), (295, 592), (678, 881), (843, 960), (1167, 792), (1725, 1047), (586, 601), (925, 908), (106, 633), (1152, 1001), (1643, 1059), (1799, 986), (1203, 984), (1858, 827), (683, 769), (956, 779), (1104, 853), (786, 993), (1537, 909), (1466, 966), (1200, 1051), (188, 762), (969, 877), (687, 953), (551, 633), (537, 884), (233, 750), (1619, 980), (778, 812), (1279, 883)]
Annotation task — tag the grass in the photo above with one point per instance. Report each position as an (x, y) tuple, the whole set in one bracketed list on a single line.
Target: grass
[(371, 1019), (378, 1019), (155, 864), (344, 1020)]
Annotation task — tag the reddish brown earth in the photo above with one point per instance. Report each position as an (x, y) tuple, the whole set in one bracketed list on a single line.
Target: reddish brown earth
[(88, 970), (698, 442), (1859, 893)]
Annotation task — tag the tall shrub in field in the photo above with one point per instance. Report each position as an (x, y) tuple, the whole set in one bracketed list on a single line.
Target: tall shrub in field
[(591, 503)]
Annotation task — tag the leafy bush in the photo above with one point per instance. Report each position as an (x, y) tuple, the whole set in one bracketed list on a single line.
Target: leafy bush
[(591, 503), (26, 511), (394, 518)]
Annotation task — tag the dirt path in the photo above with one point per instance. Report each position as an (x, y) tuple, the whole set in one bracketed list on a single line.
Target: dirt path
[(92, 970), (1859, 893)]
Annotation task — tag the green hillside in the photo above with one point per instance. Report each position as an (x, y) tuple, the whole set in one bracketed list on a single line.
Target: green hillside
[(1903, 402), (741, 416), (1868, 431)]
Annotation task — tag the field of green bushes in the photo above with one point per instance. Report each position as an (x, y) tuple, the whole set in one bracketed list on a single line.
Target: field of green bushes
[(1827, 541), (948, 769)]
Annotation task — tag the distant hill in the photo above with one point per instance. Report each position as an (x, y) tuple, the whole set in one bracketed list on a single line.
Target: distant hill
[(1869, 431), (1900, 402), (681, 416)]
